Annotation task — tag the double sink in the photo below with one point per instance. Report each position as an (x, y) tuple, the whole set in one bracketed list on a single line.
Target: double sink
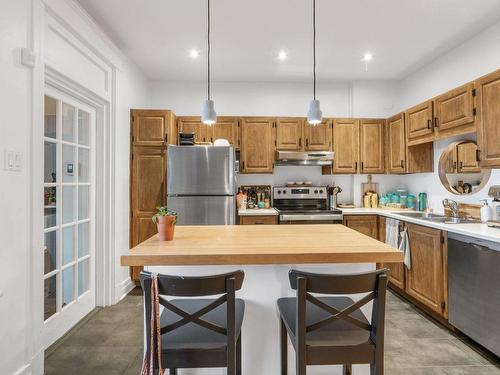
[(439, 218)]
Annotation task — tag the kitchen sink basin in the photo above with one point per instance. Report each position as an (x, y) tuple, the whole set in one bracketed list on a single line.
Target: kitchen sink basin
[(439, 218)]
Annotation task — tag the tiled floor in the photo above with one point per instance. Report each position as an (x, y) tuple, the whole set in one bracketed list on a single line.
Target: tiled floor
[(110, 342)]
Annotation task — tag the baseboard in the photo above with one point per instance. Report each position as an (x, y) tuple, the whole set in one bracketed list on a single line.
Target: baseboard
[(123, 288), (33, 368)]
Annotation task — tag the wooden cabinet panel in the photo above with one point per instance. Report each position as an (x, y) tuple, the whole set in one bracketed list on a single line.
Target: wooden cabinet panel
[(152, 127), (454, 111), (466, 157), (488, 120), (366, 224), (226, 128), (259, 220), (257, 145), (451, 162), (396, 270), (318, 137), (426, 279), (193, 124), (396, 144), (371, 144), (345, 145), (289, 133), (419, 123)]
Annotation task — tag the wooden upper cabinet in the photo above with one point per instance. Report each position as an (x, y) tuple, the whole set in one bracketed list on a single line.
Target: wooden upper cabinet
[(419, 123), (427, 278), (466, 158), (454, 111), (396, 144), (152, 127), (226, 128), (257, 145), (451, 161), (345, 145), (371, 145), (193, 124), (318, 137), (366, 224), (289, 133), (488, 120)]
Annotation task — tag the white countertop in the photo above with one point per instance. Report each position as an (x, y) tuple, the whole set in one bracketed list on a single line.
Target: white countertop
[(481, 231), (258, 212)]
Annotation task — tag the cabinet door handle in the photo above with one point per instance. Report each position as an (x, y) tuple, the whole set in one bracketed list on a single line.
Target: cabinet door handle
[(242, 165), (454, 165), (307, 142), (429, 124), (402, 163), (436, 122), (362, 166), (478, 155), (461, 166), (356, 166), (300, 142)]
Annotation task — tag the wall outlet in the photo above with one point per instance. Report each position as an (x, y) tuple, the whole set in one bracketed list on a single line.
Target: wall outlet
[(12, 161)]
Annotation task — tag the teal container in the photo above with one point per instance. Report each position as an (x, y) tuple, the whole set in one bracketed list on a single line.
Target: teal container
[(422, 201), (411, 201)]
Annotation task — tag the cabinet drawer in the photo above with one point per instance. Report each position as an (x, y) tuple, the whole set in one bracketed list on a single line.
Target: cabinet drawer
[(259, 220)]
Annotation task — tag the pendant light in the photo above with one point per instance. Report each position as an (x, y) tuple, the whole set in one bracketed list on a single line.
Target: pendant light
[(208, 115), (314, 115)]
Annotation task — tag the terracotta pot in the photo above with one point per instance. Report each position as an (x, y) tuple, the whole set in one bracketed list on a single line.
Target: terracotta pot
[(166, 226)]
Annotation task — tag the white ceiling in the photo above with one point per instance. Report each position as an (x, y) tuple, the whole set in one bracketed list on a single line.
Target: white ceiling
[(403, 35)]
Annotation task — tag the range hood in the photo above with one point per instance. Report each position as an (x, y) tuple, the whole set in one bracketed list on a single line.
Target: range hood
[(304, 158)]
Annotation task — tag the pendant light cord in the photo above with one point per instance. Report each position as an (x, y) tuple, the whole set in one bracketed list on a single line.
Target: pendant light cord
[(314, 49), (208, 43)]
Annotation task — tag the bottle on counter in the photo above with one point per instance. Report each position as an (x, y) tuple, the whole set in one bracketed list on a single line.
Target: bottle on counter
[(241, 200), (422, 201), (485, 211)]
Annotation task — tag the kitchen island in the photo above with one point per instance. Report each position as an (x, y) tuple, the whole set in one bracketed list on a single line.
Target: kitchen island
[(265, 253)]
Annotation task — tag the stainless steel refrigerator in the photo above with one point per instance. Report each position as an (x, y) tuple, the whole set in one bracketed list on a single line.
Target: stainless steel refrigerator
[(201, 184)]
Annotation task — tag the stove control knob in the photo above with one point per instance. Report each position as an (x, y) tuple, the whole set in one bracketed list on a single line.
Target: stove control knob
[(315, 192), (321, 191), (279, 191)]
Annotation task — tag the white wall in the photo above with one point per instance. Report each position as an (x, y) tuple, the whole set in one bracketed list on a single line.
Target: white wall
[(376, 99), (14, 186), (20, 342), (474, 58)]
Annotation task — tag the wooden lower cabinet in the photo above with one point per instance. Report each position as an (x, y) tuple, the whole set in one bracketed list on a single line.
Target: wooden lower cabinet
[(259, 220), (396, 270), (427, 279), (366, 224)]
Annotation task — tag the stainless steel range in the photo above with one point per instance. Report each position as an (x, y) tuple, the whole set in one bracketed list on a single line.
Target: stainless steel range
[(304, 205)]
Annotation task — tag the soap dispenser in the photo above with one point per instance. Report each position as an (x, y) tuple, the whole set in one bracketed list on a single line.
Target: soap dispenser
[(485, 211)]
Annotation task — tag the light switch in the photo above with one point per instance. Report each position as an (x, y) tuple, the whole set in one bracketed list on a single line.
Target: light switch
[(12, 161)]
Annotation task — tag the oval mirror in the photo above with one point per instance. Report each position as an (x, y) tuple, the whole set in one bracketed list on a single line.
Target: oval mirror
[(459, 171)]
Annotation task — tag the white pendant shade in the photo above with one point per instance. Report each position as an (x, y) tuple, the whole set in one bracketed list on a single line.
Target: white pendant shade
[(208, 115), (314, 115)]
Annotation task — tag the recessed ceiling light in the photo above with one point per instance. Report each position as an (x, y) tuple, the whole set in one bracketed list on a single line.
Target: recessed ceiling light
[(194, 53), (282, 55), (368, 56)]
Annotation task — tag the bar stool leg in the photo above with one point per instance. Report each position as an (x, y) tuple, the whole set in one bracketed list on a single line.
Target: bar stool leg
[(238, 356), (173, 371), (283, 348), (347, 370)]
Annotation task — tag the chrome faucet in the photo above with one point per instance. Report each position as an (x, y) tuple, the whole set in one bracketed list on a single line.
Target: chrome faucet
[(452, 206)]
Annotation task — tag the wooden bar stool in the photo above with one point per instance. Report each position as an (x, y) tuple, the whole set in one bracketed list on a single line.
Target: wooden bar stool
[(196, 333), (333, 330)]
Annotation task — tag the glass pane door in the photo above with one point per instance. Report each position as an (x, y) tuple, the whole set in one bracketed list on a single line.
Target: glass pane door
[(69, 161)]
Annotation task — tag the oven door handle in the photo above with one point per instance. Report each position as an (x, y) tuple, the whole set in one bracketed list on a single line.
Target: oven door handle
[(311, 217)]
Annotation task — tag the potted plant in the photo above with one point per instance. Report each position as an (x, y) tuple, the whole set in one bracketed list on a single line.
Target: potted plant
[(165, 220)]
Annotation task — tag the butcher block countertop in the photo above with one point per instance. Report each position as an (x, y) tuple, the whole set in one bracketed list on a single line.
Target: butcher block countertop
[(261, 244)]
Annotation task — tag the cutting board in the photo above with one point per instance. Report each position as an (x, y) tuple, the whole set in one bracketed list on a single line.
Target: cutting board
[(367, 186)]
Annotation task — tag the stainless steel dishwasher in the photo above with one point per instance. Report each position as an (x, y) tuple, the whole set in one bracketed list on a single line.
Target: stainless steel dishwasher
[(474, 289)]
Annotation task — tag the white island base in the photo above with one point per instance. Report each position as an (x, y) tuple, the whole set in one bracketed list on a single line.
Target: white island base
[(262, 286)]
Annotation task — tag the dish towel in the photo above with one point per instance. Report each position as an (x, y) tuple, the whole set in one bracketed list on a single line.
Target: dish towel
[(404, 246), (392, 232)]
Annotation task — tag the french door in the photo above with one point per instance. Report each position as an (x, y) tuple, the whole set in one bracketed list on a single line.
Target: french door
[(69, 213)]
